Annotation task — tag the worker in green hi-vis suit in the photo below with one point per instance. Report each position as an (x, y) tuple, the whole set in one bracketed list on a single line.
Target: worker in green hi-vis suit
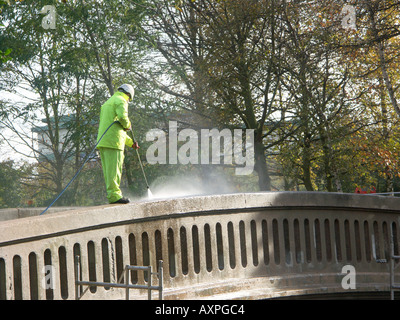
[(113, 143)]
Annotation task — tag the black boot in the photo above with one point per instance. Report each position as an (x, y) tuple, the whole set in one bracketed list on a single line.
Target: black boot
[(122, 200)]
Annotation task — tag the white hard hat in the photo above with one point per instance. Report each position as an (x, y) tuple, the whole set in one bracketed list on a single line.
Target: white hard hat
[(128, 89)]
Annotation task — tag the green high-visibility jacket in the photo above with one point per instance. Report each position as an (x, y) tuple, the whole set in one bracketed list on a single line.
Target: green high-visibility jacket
[(115, 109)]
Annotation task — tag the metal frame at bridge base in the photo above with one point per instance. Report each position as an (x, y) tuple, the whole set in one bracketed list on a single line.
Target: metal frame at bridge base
[(79, 283), (393, 257)]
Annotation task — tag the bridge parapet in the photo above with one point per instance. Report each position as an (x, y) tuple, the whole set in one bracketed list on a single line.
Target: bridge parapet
[(254, 246)]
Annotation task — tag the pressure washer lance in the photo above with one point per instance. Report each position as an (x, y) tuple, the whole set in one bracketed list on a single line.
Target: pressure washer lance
[(149, 194)]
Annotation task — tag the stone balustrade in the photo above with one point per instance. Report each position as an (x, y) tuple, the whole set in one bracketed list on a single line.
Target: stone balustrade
[(254, 246)]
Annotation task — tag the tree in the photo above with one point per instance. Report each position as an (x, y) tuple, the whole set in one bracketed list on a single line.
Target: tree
[(374, 53), (12, 181), (316, 82), (67, 68), (383, 29), (223, 60)]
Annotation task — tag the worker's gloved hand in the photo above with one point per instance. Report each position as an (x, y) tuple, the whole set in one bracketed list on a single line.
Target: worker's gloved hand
[(127, 129), (135, 145)]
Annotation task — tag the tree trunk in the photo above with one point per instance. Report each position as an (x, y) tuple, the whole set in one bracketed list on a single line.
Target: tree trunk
[(261, 167), (306, 165), (382, 61)]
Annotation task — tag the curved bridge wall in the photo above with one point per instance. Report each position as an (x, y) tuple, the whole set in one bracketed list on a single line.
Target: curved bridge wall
[(254, 246)]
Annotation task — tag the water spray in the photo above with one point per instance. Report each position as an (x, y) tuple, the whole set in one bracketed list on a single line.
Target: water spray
[(149, 193)]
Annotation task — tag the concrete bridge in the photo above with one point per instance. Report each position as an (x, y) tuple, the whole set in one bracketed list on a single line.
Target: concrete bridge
[(236, 246)]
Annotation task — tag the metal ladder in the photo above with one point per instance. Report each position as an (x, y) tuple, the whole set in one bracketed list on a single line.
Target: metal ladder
[(393, 257), (79, 283)]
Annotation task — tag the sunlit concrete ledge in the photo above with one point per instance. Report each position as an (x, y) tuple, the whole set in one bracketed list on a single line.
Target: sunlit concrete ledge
[(18, 213), (59, 219)]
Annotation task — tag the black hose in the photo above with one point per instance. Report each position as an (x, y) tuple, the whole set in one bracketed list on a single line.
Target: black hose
[(76, 174)]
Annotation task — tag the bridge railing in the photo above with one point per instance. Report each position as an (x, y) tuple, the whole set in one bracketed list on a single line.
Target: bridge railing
[(255, 245)]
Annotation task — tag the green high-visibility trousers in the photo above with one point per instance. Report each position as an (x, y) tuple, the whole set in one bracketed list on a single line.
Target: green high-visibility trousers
[(112, 161)]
